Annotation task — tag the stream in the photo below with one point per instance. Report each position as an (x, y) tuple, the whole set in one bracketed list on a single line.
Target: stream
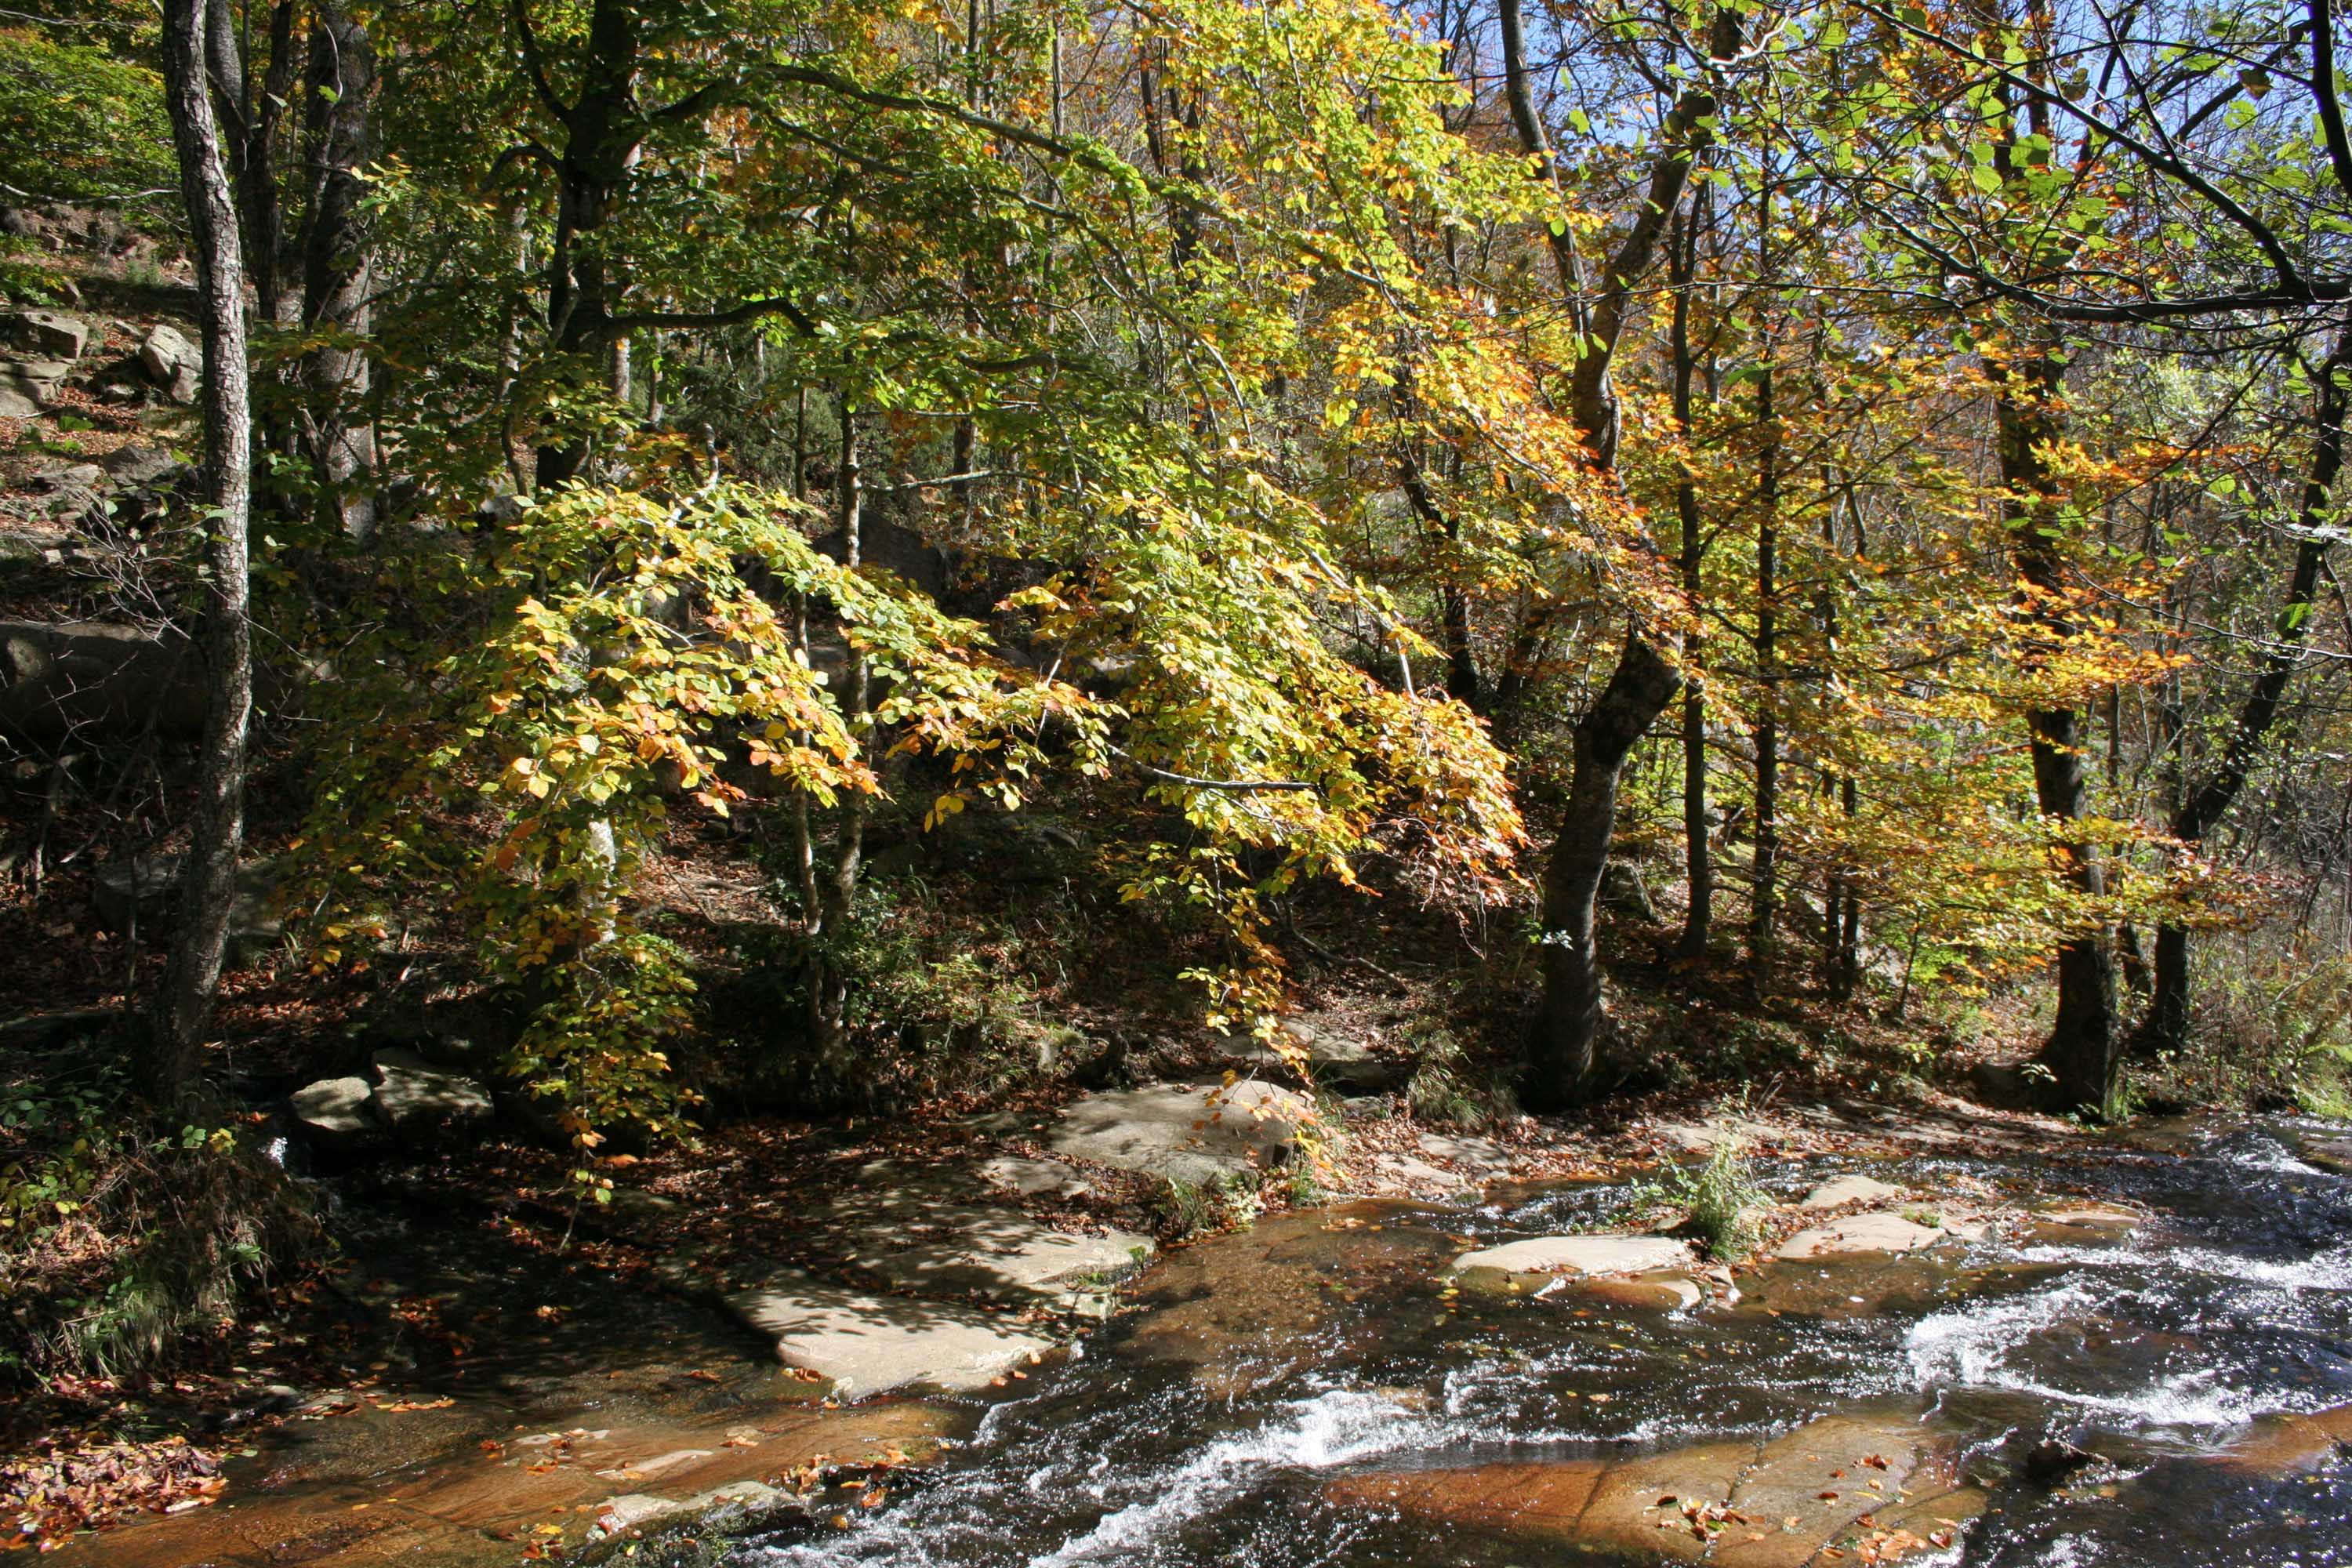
[(1276, 1379)]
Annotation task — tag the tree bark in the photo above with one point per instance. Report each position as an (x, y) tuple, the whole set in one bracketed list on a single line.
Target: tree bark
[(1699, 846), (1568, 1018), (338, 266), (1766, 866), (208, 883), (2202, 804), (2082, 1053)]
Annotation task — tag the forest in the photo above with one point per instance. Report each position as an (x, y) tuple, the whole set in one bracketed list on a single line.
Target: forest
[(889, 669)]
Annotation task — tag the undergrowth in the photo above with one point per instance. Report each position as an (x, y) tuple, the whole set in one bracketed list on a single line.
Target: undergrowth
[(127, 1236)]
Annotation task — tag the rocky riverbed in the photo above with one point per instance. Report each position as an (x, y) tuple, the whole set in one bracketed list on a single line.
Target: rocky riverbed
[(1994, 1343)]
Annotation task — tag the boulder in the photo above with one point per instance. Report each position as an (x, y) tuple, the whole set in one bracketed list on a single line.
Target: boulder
[(1336, 1059), (1840, 1190), (51, 334), (172, 362), (338, 1113), (56, 678), (1875, 1231), (867, 1345), (139, 893), (29, 385), (142, 467), (420, 1099), (1581, 1255), (1190, 1134)]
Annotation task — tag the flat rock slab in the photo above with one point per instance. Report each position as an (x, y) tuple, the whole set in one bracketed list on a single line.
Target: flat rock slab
[(1836, 1485), (921, 1230), (867, 1345), (1034, 1178), (1840, 1190), (1335, 1058), (417, 1097), (1878, 1231), (1479, 1158), (1185, 1134), (1581, 1255)]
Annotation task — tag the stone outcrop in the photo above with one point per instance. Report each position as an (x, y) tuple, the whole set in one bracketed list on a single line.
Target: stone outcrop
[(929, 1231), (865, 1344), (1181, 1134), (56, 678), (29, 385)]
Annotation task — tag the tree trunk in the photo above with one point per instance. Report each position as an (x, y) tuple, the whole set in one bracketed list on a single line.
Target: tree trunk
[(1568, 1021), (338, 267), (2202, 806), (1698, 846), (208, 883), (2082, 1053), (1763, 903), (836, 893), (1568, 1018)]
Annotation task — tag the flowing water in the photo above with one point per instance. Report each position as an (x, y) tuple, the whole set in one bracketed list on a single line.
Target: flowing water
[(1222, 1423)]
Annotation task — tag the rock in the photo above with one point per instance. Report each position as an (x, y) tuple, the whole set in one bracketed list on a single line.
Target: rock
[(1663, 1291), (1622, 892), (869, 1344), (1840, 1190), (2288, 1445), (2094, 1217), (1402, 1175), (144, 467), (51, 334), (29, 385), (56, 678), (1581, 1255), (1825, 1476), (1810, 1495), (134, 893), (418, 1098), (1509, 1499), (1334, 1060), (2053, 1459), (171, 363), (1480, 1159), (632, 1510), (338, 1113), (920, 1231), (139, 893), (1706, 1137), (1876, 1231), (68, 476), (1034, 1178), (1188, 1134)]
